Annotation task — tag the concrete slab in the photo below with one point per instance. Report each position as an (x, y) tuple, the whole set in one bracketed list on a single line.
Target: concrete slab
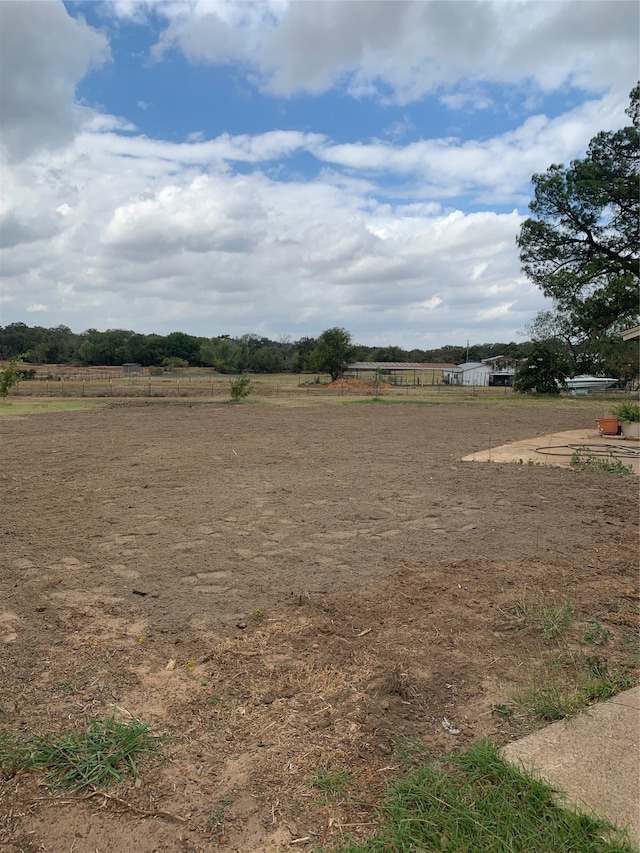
[(593, 757), (557, 448)]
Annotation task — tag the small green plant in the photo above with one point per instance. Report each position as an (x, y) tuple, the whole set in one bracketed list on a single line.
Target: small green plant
[(11, 375), (257, 615), (628, 412), (332, 783), (584, 459), (595, 634), (555, 619), (80, 760), (503, 710), (240, 388)]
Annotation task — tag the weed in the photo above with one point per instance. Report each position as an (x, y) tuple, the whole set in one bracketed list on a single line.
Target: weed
[(400, 683), (76, 760), (410, 751), (332, 783), (555, 619), (477, 801), (599, 682), (595, 634), (584, 459), (503, 710), (549, 701), (256, 615)]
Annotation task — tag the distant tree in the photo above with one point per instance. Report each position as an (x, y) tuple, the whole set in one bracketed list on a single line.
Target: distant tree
[(267, 359), (543, 372), (387, 354), (302, 349), (181, 345), (332, 353), (148, 350), (581, 248)]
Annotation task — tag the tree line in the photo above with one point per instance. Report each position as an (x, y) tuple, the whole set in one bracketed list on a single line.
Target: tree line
[(114, 347)]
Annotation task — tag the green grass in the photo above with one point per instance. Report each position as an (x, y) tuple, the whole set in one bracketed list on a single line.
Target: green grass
[(558, 692), (19, 408), (332, 783), (554, 619), (80, 760), (475, 802)]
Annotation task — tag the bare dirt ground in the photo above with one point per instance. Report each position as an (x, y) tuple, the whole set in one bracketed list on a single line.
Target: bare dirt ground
[(279, 590)]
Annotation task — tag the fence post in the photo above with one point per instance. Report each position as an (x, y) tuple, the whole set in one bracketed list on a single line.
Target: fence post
[(178, 383), (83, 387)]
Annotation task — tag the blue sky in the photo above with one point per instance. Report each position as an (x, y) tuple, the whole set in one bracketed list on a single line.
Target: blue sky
[(280, 167)]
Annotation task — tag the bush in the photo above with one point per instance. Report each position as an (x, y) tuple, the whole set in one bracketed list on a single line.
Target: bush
[(240, 388)]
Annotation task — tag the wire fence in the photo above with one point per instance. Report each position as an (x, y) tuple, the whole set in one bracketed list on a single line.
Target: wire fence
[(218, 387)]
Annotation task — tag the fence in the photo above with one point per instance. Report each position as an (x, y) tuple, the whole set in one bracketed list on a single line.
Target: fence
[(218, 387)]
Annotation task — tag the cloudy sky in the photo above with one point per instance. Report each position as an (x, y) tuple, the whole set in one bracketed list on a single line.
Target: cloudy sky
[(276, 167)]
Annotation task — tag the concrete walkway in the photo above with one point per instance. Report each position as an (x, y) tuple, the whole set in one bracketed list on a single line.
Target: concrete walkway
[(594, 758), (558, 447)]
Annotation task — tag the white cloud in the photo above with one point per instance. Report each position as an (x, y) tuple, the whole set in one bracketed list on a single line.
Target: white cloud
[(44, 53), (102, 226), (411, 47), (155, 243)]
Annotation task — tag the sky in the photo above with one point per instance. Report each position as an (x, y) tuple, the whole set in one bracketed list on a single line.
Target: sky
[(280, 168)]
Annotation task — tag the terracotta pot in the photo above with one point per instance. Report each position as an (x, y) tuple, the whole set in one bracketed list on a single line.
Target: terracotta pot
[(608, 426)]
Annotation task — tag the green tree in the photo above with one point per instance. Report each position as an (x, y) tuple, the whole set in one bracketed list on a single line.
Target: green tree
[(543, 372), (387, 354), (581, 248), (332, 352), (181, 345), (11, 375)]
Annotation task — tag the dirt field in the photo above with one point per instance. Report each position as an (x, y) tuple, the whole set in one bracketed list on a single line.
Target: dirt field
[(279, 590)]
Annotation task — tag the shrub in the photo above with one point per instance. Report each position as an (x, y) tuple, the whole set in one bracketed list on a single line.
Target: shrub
[(240, 388)]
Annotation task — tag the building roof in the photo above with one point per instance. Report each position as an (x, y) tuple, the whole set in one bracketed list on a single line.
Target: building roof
[(472, 365), (631, 334), (399, 365)]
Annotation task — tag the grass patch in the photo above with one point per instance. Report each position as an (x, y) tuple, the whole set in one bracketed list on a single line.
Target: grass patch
[(560, 691), (555, 619), (476, 801), (332, 783), (16, 408), (80, 760)]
